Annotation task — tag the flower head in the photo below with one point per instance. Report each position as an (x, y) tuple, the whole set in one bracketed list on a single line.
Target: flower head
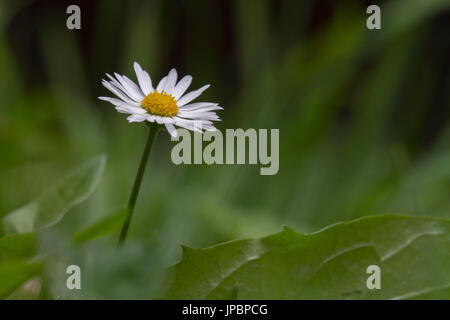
[(166, 104)]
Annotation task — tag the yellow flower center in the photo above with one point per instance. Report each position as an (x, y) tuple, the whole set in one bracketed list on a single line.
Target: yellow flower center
[(160, 104)]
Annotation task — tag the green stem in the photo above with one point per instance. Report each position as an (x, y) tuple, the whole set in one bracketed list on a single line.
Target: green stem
[(153, 130)]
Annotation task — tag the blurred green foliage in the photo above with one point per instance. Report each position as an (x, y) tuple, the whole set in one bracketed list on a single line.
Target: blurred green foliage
[(363, 118)]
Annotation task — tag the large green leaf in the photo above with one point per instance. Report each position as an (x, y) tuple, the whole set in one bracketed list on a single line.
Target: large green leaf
[(54, 203), (413, 254)]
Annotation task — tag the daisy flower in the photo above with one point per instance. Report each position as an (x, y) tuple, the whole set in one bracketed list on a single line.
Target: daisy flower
[(167, 104)]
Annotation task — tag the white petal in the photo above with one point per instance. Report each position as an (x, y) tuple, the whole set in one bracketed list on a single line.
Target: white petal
[(124, 110), (204, 106), (131, 110), (210, 127), (171, 129), (171, 81), (163, 120), (115, 82), (131, 89), (124, 107), (188, 126), (145, 82), (159, 120), (195, 125), (117, 102), (196, 113), (161, 84), (123, 88), (117, 92), (215, 108), (181, 86), (191, 96), (136, 118), (134, 86), (203, 116)]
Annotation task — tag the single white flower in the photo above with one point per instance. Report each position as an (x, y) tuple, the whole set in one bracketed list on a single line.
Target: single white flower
[(166, 105)]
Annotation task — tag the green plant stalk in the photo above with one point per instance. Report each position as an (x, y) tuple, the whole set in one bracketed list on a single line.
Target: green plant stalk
[(152, 132)]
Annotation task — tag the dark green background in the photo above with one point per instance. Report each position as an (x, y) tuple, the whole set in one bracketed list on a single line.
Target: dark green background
[(363, 118)]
